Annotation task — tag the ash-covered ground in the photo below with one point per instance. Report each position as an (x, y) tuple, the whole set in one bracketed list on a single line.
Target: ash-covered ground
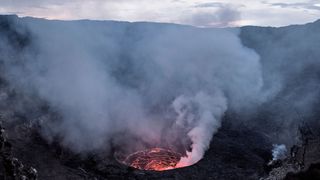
[(241, 149)]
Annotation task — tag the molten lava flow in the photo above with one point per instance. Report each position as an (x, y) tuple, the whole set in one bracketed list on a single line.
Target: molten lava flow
[(156, 159)]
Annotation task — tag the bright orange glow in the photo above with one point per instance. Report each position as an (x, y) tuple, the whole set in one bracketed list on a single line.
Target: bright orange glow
[(156, 159)]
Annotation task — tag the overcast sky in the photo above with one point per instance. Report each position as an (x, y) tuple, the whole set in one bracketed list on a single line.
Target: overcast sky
[(205, 13)]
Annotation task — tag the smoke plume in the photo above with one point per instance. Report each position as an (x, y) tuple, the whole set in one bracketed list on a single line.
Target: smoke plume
[(112, 81), (279, 152), (200, 123)]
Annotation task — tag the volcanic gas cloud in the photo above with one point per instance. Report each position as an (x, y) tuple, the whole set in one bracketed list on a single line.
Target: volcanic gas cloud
[(135, 86)]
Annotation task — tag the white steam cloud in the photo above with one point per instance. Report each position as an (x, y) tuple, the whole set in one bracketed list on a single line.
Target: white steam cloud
[(279, 151), (201, 123), (110, 81)]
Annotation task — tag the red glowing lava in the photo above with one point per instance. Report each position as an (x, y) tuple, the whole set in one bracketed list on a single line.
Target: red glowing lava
[(156, 159)]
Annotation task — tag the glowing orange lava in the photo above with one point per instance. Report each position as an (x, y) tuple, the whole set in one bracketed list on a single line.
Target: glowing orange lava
[(156, 159)]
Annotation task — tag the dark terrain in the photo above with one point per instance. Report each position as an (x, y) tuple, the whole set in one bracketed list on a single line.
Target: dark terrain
[(240, 150)]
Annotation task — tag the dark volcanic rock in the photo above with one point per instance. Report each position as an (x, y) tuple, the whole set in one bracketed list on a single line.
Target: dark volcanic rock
[(232, 155), (313, 173)]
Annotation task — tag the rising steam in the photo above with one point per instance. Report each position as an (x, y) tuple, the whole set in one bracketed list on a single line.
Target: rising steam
[(107, 78), (200, 116), (279, 151)]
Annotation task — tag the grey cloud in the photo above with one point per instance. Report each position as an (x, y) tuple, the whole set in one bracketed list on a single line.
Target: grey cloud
[(217, 5), (307, 5), (30, 3), (223, 17), (211, 4)]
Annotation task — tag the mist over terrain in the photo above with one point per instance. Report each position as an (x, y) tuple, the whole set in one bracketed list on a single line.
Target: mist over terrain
[(140, 85), (290, 61)]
